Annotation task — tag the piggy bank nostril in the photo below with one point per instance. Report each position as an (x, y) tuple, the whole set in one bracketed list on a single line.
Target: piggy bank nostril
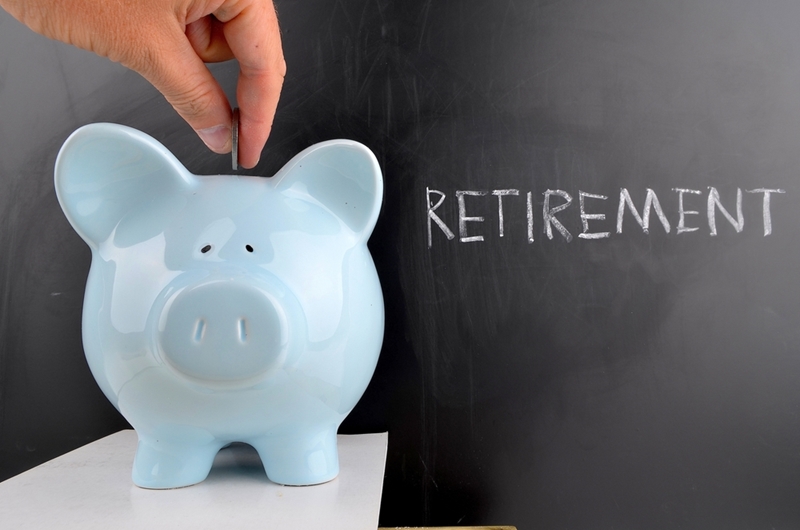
[(199, 330), (242, 330)]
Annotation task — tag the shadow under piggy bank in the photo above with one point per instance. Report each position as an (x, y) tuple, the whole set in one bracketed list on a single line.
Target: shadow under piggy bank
[(226, 308)]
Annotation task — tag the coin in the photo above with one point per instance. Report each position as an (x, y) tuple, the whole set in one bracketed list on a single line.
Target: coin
[(235, 139)]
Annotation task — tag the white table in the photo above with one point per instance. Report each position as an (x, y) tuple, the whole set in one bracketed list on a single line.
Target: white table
[(91, 488)]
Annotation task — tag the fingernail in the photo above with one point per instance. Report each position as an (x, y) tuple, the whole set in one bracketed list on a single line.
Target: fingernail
[(216, 138)]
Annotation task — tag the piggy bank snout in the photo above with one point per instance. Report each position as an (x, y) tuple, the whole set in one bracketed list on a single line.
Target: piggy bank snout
[(223, 331)]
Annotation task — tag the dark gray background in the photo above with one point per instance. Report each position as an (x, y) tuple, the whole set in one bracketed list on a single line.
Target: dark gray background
[(641, 381)]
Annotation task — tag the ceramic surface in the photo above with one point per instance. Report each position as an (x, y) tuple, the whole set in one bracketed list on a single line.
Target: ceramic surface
[(226, 308)]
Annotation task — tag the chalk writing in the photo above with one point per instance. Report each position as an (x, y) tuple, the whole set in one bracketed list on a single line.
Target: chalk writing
[(650, 203), (500, 194), (556, 203), (766, 207), (462, 216), (435, 218), (549, 214), (586, 217), (713, 201)]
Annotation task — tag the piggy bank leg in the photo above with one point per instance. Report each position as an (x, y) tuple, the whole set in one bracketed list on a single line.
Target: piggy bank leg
[(300, 459), (163, 463)]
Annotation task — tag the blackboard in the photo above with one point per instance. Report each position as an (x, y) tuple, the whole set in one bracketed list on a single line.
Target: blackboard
[(619, 349)]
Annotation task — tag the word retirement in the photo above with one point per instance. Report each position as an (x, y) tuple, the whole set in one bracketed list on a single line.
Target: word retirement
[(556, 202)]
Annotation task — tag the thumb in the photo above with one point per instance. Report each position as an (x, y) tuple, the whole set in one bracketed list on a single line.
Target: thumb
[(180, 75)]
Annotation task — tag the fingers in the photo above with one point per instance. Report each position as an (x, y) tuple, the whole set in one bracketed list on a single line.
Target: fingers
[(254, 38), (208, 40), (168, 42), (249, 32), (178, 72)]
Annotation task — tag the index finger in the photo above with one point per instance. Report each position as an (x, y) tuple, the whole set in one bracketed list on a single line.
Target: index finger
[(254, 38)]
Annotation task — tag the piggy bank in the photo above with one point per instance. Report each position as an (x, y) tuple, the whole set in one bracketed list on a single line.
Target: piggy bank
[(224, 309)]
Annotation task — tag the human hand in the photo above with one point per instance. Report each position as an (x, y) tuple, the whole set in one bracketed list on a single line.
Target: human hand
[(167, 42)]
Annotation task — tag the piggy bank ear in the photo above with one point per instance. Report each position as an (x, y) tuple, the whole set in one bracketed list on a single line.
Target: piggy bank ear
[(343, 176), (114, 180)]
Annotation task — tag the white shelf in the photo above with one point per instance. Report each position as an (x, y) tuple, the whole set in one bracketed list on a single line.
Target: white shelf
[(91, 488)]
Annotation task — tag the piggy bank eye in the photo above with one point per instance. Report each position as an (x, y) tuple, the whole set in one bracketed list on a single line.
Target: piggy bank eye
[(249, 248), (205, 249)]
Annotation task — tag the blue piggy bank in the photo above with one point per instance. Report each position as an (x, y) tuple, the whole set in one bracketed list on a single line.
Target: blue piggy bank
[(225, 309)]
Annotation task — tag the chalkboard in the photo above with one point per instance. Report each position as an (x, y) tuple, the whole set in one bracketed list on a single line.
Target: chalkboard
[(589, 249)]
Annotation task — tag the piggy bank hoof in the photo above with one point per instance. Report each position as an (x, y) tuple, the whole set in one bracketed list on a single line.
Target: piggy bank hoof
[(160, 465), (300, 459)]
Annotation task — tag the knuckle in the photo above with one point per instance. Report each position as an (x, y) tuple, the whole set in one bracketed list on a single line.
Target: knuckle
[(280, 67), (195, 100)]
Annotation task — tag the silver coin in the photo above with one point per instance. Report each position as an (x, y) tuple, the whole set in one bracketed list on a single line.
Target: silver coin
[(235, 139)]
